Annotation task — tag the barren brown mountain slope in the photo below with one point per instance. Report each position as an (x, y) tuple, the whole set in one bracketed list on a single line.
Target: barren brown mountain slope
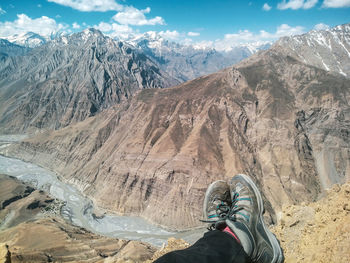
[(283, 122)]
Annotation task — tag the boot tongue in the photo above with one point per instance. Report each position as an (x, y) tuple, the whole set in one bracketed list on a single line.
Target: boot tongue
[(243, 213), (243, 203)]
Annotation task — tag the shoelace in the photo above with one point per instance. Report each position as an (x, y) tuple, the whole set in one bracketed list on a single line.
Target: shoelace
[(225, 211)]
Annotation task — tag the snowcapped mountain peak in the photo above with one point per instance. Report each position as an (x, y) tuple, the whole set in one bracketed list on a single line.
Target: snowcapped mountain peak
[(87, 36), (149, 39), (152, 35), (254, 47), (344, 27), (89, 33), (92, 32), (28, 39)]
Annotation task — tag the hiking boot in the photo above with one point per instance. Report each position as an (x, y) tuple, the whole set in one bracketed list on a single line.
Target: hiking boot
[(246, 221), (217, 204)]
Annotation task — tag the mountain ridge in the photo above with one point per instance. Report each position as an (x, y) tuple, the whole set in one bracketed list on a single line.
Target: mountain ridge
[(186, 62), (71, 78), (326, 49), (183, 62)]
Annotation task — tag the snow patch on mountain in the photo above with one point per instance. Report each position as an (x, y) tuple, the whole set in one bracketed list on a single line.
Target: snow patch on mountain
[(328, 49), (28, 39)]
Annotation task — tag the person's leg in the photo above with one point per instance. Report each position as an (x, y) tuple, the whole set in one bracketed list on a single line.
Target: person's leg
[(214, 247), (241, 234), (219, 245)]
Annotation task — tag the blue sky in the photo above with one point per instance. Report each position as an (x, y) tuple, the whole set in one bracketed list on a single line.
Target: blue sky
[(206, 22)]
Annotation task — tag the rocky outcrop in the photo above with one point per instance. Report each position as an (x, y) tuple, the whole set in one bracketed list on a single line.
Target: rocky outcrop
[(70, 79), (60, 242), (281, 121), (5, 254), (317, 232)]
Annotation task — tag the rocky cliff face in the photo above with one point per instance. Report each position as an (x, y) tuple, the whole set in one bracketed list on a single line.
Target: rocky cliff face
[(327, 49), (10, 56), (273, 117), (10, 49), (70, 79)]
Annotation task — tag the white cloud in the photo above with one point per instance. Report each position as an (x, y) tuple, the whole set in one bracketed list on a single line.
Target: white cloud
[(104, 27), (245, 36), (43, 26), (286, 30), (115, 30), (171, 35), (134, 16), (266, 7), (193, 34), (127, 15), (321, 26), (336, 3), (75, 25), (296, 4), (2, 11), (310, 4), (121, 31), (39, 5), (90, 5)]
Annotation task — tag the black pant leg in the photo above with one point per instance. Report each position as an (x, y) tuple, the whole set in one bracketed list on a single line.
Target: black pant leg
[(214, 247)]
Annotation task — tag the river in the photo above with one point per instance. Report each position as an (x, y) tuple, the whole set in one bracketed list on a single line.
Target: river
[(78, 209)]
